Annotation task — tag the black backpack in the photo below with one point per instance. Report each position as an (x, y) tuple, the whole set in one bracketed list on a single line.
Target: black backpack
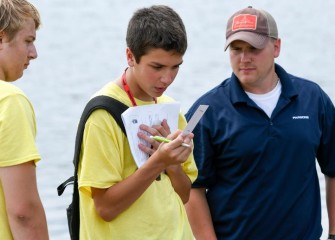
[(115, 108)]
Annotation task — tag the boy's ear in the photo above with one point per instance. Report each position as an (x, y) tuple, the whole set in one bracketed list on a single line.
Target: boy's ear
[(2, 34), (2, 39), (130, 57)]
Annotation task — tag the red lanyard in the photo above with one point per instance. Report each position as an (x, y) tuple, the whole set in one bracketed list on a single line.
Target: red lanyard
[(127, 89)]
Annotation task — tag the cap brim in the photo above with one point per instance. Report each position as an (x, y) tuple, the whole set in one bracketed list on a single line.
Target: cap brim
[(256, 40)]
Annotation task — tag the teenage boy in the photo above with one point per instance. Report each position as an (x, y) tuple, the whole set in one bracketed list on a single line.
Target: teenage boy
[(117, 199), (22, 214)]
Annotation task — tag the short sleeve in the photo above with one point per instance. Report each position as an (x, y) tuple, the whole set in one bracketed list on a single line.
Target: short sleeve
[(17, 131)]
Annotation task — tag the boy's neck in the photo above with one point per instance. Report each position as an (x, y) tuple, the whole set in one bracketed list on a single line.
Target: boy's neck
[(129, 85)]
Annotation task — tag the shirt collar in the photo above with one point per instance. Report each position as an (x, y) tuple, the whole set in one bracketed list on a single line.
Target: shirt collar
[(289, 91)]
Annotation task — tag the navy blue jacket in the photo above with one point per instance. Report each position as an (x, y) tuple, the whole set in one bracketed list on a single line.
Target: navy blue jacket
[(260, 172)]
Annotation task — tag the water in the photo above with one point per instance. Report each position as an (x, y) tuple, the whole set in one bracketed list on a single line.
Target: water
[(81, 47)]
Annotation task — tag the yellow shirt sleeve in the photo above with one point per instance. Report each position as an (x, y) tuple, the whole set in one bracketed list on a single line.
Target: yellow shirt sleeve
[(17, 131)]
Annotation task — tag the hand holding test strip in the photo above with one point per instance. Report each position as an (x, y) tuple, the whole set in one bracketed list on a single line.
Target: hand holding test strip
[(190, 125)]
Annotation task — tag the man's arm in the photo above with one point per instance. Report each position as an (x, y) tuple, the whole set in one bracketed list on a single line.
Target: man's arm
[(199, 215), (24, 208), (330, 196)]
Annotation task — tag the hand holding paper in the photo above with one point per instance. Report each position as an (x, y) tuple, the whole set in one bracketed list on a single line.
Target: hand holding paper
[(151, 115)]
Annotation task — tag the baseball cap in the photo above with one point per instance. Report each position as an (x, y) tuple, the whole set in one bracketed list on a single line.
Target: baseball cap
[(251, 25)]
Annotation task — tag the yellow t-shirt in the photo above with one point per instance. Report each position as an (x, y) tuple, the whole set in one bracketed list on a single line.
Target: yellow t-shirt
[(106, 160), (17, 138)]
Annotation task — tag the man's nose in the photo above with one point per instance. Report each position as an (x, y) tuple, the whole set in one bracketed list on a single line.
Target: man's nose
[(245, 56)]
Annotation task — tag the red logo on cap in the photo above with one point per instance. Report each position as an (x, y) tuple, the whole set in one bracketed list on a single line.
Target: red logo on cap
[(244, 21)]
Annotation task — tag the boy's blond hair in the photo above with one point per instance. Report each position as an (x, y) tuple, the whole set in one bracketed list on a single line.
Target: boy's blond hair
[(14, 13)]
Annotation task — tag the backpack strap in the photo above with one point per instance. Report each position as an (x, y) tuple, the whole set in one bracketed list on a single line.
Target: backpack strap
[(111, 105), (115, 108)]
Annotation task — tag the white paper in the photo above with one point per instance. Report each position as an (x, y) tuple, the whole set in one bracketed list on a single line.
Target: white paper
[(152, 114)]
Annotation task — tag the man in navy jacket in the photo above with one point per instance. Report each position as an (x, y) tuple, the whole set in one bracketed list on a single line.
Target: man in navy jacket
[(256, 145)]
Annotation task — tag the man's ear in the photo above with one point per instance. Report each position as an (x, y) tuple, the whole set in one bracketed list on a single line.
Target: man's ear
[(277, 46), (130, 57)]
